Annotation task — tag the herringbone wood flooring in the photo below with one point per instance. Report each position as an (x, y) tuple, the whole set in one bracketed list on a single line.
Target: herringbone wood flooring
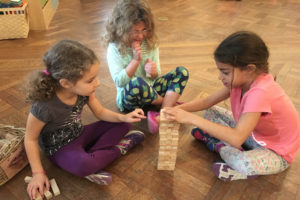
[(189, 31)]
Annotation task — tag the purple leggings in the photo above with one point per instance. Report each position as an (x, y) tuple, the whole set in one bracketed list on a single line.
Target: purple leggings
[(93, 149)]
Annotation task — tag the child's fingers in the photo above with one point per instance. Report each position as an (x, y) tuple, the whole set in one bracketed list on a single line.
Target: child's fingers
[(47, 184), (153, 64), (167, 110), (137, 115), (134, 45), (29, 191), (142, 116), (33, 193), (41, 190), (135, 120), (139, 111), (170, 117)]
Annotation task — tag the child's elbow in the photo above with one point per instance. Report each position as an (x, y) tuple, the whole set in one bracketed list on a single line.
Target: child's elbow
[(237, 141), (119, 83), (237, 144)]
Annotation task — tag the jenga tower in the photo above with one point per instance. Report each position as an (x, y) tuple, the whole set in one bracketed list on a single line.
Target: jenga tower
[(168, 142)]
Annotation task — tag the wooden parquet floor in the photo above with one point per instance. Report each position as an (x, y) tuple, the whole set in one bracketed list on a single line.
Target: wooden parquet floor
[(189, 31)]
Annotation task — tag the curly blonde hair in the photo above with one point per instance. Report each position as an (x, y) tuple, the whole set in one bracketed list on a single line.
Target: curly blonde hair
[(67, 59), (125, 14)]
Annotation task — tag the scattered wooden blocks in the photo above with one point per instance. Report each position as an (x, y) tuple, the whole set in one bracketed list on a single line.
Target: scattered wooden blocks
[(47, 193), (168, 142)]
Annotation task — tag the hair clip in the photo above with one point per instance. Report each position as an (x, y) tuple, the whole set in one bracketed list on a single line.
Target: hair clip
[(46, 72)]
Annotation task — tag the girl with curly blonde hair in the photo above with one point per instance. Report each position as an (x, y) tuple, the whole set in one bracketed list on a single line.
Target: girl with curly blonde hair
[(133, 60)]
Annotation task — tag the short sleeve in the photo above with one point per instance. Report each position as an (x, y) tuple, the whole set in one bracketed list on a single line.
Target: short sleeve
[(257, 100), (40, 111)]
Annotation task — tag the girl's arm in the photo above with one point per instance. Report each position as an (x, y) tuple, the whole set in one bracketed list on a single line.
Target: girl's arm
[(233, 136), (132, 67), (107, 115), (152, 64), (39, 180), (201, 104), (116, 68), (136, 59)]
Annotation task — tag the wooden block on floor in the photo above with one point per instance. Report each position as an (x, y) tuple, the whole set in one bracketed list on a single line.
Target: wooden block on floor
[(54, 187), (48, 194), (27, 179), (38, 196)]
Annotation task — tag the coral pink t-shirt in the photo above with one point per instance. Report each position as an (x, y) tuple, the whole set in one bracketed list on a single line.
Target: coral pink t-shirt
[(278, 128)]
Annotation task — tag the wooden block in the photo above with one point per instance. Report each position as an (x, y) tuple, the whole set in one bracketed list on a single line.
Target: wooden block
[(166, 166), (38, 196), (168, 148), (54, 187), (170, 125), (27, 179), (171, 168), (176, 126), (167, 155), (163, 125), (168, 158), (48, 194), (163, 116)]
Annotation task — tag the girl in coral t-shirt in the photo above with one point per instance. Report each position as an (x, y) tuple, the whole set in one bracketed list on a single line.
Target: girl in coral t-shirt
[(263, 137)]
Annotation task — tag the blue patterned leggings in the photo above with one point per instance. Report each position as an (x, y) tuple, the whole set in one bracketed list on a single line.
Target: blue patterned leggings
[(139, 93), (255, 159)]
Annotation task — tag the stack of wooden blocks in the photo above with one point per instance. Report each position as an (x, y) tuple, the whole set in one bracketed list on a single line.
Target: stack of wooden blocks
[(168, 143)]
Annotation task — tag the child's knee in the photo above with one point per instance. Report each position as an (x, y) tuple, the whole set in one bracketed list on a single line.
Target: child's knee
[(184, 71), (125, 126), (236, 159), (136, 87), (138, 81), (79, 165)]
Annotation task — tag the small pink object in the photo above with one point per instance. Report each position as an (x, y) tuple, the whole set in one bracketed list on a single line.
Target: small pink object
[(46, 72), (179, 102), (153, 125)]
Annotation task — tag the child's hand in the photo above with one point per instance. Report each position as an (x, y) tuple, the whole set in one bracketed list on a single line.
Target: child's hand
[(178, 115), (150, 68), (134, 116), (136, 50), (39, 182)]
